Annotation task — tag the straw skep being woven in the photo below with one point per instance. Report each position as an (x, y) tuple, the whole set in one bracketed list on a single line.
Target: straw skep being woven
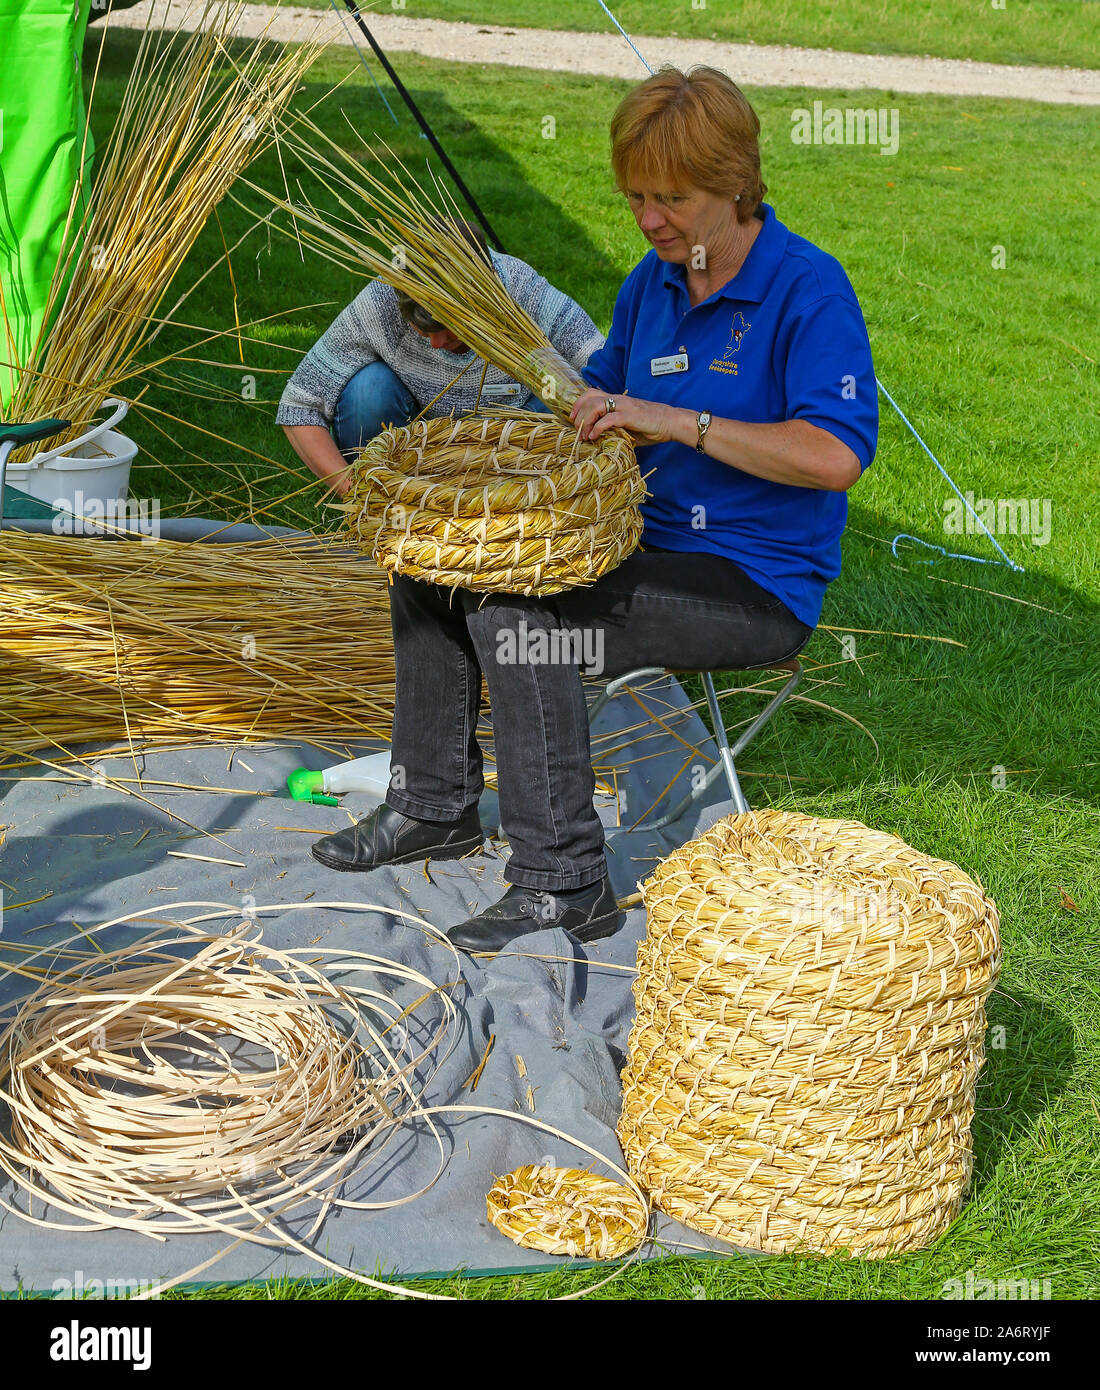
[(810, 1027), (491, 503), (567, 1211), (509, 503)]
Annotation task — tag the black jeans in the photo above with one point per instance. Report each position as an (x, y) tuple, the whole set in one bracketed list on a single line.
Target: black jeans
[(657, 608)]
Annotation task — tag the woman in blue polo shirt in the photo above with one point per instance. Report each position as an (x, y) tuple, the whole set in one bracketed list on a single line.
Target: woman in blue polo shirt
[(738, 356), (738, 359)]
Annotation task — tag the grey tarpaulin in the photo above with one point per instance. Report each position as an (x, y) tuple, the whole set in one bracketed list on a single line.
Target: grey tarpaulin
[(100, 853)]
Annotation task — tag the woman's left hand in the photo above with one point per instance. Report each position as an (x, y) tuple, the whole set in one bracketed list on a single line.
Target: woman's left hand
[(649, 421)]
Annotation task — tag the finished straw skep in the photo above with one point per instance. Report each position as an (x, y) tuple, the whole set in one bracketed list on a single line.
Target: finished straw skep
[(567, 1211), (809, 1031), (510, 502)]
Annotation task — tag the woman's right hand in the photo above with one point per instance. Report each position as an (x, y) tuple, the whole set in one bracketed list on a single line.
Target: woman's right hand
[(587, 409), (316, 447), (647, 422)]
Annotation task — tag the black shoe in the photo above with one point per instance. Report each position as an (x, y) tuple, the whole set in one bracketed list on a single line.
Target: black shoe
[(387, 836), (587, 913)]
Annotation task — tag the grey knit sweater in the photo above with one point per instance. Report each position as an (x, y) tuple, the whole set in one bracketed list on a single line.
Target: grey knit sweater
[(371, 328)]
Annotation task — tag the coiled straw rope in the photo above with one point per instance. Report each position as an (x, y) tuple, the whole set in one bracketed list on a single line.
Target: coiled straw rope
[(510, 502), (810, 1026), (567, 1211), (138, 1101)]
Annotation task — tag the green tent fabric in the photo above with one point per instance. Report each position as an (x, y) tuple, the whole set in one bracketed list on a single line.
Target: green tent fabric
[(42, 117)]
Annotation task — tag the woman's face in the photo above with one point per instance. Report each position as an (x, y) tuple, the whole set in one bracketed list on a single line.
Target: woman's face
[(676, 220), (443, 339)]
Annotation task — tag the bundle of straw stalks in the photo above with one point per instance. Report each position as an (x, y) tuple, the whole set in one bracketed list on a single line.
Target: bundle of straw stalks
[(411, 238), (102, 640), (193, 117), (512, 503), (120, 642)]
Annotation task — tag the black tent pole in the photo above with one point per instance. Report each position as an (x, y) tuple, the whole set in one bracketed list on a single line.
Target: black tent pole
[(424, 126)]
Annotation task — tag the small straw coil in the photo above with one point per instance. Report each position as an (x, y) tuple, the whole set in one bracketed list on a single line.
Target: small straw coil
[(568, 1211)]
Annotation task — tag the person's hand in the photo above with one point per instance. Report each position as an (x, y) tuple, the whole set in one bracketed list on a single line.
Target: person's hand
[(648, 421), (317, 449)]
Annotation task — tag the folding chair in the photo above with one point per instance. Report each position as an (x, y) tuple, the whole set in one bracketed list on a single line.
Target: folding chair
[(727, 755)]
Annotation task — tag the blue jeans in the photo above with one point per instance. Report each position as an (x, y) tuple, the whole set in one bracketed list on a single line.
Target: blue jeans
[(658, 607), (374, 398)]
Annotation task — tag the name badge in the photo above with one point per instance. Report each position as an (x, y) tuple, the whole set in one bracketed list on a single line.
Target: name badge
[(663, 366), (504, 391)]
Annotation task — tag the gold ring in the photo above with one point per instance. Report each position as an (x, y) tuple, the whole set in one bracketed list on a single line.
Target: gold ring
[(610, 403)]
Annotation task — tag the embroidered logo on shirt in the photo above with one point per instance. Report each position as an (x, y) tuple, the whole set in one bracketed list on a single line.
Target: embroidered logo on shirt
[(738, 329)]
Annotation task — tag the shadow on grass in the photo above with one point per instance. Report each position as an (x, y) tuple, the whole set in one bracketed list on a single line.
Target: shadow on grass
[(1030, 1059)]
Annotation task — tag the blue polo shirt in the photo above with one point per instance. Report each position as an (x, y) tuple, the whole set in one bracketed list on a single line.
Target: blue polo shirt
[(783, 340)]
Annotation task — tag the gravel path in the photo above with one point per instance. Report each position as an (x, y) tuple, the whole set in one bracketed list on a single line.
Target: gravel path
[(608, 55)]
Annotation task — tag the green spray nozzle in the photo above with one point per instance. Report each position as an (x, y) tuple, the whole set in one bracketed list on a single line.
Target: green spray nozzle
[(304, 785)]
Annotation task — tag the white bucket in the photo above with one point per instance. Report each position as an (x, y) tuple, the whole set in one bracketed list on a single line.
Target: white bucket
[(98, 473), (85, 474)]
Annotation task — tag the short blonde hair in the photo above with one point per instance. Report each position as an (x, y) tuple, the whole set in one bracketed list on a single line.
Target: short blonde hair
[(696, 128)]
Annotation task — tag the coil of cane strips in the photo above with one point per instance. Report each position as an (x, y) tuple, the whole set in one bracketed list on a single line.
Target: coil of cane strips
[(510, 502), (194, 1082), (810, 1026), (567, 1211)]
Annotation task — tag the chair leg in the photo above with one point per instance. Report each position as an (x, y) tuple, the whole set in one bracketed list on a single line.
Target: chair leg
[(724, 750), (766, 713), (613, 687), (726, 755)]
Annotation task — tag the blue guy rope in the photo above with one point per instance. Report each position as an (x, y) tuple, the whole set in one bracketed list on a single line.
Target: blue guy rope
[(955, 555), (625, 35), (363, 60)]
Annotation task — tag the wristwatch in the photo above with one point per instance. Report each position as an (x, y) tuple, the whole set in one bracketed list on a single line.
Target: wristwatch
[(702, 423)]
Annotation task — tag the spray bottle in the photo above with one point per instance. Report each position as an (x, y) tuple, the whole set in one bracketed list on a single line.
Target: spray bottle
[(369, 774)]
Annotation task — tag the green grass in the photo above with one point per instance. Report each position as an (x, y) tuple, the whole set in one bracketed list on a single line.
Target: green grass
[(1023, 31), (998, 368)]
